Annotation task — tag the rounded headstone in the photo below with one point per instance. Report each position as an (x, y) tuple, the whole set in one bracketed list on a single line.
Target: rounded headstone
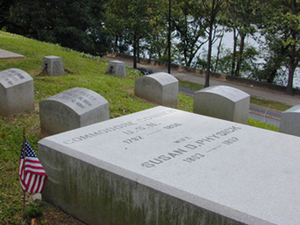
[(160, 88), (16, 92), (71, 109), (223, 102)]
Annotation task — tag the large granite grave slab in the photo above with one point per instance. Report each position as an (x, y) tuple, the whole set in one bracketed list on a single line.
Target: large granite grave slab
[(16, 92), (53, 65), (117, 68), (223, 102), (290, 121), (74, 108), (160, 88), (166, 166)]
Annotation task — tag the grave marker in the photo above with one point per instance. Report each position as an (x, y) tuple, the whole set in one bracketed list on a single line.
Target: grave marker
[(74, 108), (16, 92), (53, 65), (289, 122), (223, 102), (160, 88), (117, 68), (166, 166)]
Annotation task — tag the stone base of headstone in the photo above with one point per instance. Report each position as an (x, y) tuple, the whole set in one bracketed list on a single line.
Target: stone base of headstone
[(289, 122), (16, 92), (223, 102), (116, 68), (53, 65), (71, 109), (160, 88), (167, 166)]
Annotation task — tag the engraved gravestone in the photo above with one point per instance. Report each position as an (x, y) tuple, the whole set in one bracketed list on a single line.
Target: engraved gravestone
[(166, 166), (117, 68), (74, 108), (53, 65), (16, 92), (289, 122), (160, 88), (223, 102)]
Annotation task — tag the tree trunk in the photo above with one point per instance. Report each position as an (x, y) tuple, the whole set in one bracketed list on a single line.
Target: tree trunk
[(239, 62), (234, 52), (292, 67), (138, 50), (134, 50), (207, 76), (219, 49)]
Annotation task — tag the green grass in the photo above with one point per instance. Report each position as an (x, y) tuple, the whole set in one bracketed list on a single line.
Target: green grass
[(87, 72), (270, 104)]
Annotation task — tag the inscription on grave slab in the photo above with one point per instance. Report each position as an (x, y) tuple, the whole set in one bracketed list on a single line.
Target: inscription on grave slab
[(71, 109), (164, 165), (16, 92)]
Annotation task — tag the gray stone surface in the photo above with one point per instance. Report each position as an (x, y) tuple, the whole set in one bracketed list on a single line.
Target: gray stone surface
[(290, 121), (54, 65), (16, 92), (117, 68), (5, 55), (166, 166), (71, 109), (160, 88), (223, 102)]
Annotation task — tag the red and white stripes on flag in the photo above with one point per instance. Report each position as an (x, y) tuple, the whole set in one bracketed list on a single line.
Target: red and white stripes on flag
[(32, 174)]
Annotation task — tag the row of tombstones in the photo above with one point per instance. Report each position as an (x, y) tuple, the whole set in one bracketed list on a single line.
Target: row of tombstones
[(78, 107)]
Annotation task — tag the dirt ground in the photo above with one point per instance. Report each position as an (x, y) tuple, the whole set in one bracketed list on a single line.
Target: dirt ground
[(53, 215)]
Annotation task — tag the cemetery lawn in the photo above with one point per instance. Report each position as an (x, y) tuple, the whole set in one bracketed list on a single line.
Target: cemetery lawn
[(82, 71)]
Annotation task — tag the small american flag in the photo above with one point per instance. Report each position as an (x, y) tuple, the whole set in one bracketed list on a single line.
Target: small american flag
[(32, 174)]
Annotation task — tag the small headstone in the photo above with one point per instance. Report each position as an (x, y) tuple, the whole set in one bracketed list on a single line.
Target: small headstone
[(290, 121), (16, 92), (71, 109), (117, 68), (53, 65), (160, 88), (223, 102), (166, 166)]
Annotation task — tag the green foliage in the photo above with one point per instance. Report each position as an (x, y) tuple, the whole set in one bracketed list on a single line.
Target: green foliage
[(74, 24), (280, 27)]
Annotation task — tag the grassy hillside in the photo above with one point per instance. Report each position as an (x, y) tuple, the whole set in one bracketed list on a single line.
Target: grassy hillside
[(85, 71)]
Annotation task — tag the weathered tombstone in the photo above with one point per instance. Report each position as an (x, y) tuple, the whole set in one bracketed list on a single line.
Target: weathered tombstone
[(290, 121), (16, 92), (223, 102), (166, 166), (117, 68), (160, 88), (53, 65), (71, 109)]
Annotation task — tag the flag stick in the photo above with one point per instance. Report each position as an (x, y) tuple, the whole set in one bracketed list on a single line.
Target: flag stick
[(24, 196)]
